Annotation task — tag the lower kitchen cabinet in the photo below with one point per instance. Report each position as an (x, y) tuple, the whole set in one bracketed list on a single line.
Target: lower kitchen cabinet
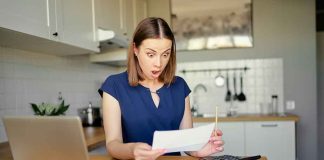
[(273, 139), (233, 136)]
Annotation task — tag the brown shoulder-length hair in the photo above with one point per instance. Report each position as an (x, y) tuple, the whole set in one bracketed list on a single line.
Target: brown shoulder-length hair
[(151, 27)]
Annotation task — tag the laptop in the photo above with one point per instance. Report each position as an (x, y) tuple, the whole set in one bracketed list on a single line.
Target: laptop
[(50, 138)]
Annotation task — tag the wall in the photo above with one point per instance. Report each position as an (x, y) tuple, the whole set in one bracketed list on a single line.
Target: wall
[(320, 90), (262, 79), (283, 29), (27, 77)]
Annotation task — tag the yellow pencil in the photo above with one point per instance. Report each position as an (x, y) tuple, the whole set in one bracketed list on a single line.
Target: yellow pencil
[(216, 119)]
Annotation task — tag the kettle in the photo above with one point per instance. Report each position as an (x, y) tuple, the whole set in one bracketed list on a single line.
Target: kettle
[(90, 116)]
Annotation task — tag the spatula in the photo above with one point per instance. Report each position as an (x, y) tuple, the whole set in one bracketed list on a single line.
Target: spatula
[(241, 96)]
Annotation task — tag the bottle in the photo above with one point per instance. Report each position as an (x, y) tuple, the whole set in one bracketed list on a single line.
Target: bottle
[(274, 103), (59, 98), (89, 114)]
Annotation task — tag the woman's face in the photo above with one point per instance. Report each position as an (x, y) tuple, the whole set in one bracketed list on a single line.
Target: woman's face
[(153, 55)]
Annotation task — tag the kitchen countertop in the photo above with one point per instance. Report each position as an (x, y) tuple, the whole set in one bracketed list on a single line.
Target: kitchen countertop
[(95, 136), (248, 117)]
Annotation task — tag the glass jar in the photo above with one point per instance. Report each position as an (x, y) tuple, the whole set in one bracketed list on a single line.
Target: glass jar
[(274, 104)]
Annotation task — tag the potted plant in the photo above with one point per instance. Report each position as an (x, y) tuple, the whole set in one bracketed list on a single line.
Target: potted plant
[(47, 109)]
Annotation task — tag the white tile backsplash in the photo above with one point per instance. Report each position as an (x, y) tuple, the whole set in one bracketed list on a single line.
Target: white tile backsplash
[(263, 79), (28, 77)]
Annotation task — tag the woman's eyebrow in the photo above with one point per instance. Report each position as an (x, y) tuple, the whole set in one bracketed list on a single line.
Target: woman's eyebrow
[(155, 51), (167, 50), (151, 49)]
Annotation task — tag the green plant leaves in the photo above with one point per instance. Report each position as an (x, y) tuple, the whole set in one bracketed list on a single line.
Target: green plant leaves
[(35, 109), (46, 109)]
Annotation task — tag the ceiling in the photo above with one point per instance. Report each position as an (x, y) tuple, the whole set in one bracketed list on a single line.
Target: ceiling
[(319, 15)]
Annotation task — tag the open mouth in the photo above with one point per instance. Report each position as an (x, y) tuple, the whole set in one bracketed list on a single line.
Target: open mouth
[(155, 73)]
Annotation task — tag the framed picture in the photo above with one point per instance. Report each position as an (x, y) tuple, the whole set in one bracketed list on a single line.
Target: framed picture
[(212, 24)]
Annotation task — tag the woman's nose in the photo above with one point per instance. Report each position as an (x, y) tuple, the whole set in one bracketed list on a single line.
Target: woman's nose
[(157, 62)]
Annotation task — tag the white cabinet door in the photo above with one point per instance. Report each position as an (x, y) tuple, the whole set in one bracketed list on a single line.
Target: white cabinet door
[(275, 140), (111, 15), (141, 11), (136, 10), (160, 9), (66, 21), (30, 17), (76, 24), (233, 136)]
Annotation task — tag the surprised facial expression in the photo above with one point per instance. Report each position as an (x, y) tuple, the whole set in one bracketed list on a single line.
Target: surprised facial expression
[(153, 55)]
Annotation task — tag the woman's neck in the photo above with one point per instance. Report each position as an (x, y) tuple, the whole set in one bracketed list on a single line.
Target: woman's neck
[(152, 84)]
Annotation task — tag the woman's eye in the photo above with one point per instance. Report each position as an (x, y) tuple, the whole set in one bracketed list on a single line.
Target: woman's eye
[(150, 54), (166, 54)]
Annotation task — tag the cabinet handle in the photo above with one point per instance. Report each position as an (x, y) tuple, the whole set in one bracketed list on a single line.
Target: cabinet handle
[(269, 125), (55, 34)]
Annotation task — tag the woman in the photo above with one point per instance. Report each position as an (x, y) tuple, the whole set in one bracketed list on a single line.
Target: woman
[(148, 97)]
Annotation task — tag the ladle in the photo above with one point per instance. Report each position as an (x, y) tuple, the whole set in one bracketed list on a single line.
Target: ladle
[(219, 80), (228, 93)]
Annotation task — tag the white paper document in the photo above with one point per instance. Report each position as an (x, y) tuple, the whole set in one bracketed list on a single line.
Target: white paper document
[(191, 139)]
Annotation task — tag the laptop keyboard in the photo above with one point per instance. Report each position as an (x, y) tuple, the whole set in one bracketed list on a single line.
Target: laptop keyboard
[(230, 157), (223, 157)]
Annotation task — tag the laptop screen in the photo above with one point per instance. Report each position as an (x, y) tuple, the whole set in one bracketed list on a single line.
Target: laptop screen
[(50, 138)]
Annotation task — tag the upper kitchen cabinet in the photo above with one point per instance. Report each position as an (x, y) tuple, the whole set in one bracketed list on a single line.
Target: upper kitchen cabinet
[(160, 9), (136, 10), (110, 15), (61, 27), (31, 17), (76, 23), (120, 16)]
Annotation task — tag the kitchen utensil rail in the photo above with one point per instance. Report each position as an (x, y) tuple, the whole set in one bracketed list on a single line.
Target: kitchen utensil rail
[(215, 69)]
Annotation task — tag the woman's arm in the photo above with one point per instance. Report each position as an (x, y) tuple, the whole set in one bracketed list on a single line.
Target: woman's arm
[(113, 132), (186, 121)]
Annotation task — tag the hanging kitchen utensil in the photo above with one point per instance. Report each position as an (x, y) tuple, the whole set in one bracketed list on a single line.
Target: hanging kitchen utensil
[(228, 96), (219, 80), (241, 96), (235, 96)]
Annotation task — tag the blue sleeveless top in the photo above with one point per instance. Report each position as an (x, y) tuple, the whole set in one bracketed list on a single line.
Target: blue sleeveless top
[(139, 115)]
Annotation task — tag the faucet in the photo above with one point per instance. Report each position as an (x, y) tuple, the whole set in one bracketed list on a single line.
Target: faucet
[(194, 108)]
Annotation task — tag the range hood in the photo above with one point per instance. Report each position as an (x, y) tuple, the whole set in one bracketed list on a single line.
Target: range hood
[(113, 57), (113, 49)]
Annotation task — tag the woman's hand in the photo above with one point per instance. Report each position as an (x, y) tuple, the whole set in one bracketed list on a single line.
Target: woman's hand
[(143, 151), (214, 145)]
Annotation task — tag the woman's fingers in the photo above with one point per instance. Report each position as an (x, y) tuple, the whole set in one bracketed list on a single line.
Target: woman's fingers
[(144, 151), (219, 132)]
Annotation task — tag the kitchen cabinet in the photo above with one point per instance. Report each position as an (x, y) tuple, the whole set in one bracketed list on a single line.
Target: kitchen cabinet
[(272, 139), (160, 9), (59, 21), (275, 140), (233, 136), (111, 15), (136, 10), (120, 16), (76, 24), (31, 17)]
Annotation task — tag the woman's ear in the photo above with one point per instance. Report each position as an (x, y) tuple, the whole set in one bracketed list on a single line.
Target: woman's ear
[(135, 49)]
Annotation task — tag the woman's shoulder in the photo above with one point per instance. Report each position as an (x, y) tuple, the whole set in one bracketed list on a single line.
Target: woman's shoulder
[(117, 76), (178, 81)]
